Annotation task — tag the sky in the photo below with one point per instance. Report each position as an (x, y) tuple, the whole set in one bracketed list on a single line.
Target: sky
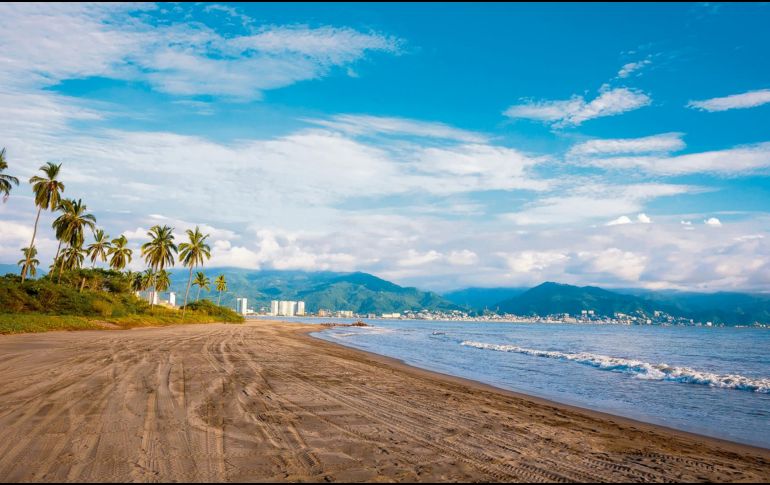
[(439, 146)]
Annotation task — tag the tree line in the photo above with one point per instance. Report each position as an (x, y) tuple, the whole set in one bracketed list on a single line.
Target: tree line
[(72, 223)]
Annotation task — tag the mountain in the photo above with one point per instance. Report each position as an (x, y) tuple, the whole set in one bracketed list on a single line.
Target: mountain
[(479, 299), (723, 307), (9, 268), (359, 292), (550, 298)]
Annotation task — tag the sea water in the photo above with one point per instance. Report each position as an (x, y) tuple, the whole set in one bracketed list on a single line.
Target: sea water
[(712, 381)]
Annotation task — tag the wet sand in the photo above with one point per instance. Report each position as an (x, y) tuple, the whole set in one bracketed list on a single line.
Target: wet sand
[(266, 402)]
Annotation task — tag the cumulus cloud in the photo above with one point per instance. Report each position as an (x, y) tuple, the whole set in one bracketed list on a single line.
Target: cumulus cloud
[(643, 218), (749, 99), (614, 262), (533, 261), (713, 222), (576, 110), (619, 221)]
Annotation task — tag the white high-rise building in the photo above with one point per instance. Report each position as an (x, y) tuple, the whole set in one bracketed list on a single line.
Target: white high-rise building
[(240, 305), (172, 299), (287, 308)]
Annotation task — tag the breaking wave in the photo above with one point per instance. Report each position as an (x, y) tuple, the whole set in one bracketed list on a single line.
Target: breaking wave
[(640, 369)]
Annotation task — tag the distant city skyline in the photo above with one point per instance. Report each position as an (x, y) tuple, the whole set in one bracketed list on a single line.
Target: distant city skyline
[(437, 146)]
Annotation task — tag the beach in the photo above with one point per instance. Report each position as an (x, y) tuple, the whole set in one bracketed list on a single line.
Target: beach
[(264, 401)]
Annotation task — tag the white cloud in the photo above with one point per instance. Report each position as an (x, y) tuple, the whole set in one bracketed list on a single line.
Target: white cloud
[(626, 265), (730, 161), (576, 110), (73, 41), (369, 125), (533, 261), (619, 221), (632, 67), (713, 222), (415, 258), (593, 201), (476, 168), (663, 143), (641, 218), (749, 99), (462, 258)]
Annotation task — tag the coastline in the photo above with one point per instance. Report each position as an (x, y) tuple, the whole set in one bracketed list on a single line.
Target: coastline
[(265, 401), (541, 401)]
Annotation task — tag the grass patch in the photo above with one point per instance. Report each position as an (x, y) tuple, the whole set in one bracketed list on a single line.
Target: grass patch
[(27, 323)]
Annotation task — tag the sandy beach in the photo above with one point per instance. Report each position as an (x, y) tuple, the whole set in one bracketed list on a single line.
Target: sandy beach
[(264, 401)]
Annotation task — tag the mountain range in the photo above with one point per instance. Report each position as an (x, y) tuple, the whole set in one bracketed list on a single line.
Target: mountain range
[(366, 293), (359, 292)]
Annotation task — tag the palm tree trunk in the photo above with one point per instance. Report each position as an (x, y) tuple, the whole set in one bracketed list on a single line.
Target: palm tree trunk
[(58, 248), (34, 233), (61, 269), (197, 298), (189, 280), (219, 300)]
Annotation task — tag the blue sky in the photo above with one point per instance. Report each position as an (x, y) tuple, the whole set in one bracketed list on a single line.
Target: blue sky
[(435, 145)]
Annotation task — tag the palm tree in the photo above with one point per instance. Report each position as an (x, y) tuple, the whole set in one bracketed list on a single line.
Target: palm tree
[(202, 282), (47, 196), (192, 254), (29, 258), (134, 280), (6, 181), (162, 280), (71, 224), (147, 280), (221, 285), (59, 226), (99, 248), (72, 258), (160, 251), (119, 253)]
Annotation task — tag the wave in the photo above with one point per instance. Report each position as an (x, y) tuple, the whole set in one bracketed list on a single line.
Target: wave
[(640, 369)]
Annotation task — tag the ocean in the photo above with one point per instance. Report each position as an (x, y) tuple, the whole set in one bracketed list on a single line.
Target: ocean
[(711, 381)]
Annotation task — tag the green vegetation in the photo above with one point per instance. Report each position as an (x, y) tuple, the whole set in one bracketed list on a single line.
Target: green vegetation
[(32, 322), (73, 298), (106, 298)]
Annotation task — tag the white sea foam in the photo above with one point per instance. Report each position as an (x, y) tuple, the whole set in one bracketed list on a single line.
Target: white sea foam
[(640, 369)]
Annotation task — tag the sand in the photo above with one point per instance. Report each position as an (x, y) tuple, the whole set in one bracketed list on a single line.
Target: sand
[(266, 402)]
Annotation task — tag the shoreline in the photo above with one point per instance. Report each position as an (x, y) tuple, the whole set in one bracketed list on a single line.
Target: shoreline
[(266, 401), (609, 417)]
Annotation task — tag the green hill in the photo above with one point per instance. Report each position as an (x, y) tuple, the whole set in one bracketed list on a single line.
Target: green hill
[(724, 307), (479, 299), (549, 298), (359, 292)]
